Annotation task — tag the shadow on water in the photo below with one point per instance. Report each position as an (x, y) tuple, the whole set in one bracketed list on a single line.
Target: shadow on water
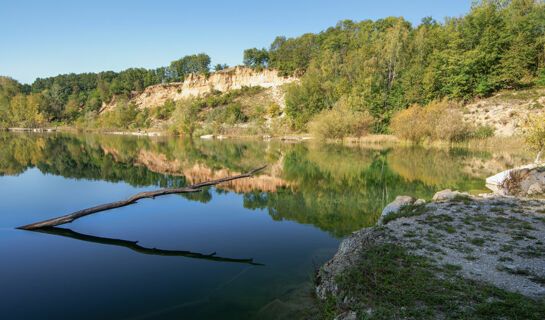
[(133, 245)]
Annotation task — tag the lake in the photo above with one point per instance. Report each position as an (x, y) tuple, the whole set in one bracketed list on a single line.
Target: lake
[(247, 249)]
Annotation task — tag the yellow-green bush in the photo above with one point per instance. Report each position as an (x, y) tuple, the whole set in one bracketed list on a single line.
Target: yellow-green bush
[(340, 122), (124, 116), (440, 120), (533, 132), (274, 110), (184, 118)]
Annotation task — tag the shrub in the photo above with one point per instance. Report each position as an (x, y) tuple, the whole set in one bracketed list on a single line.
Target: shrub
[(533, 132), (541, 77), (185, 118), (340, 122), (258, 113), (535, 106), (439, 120), (233, 114), (483, 132), (125, 116), (165, 111), (274, 110)]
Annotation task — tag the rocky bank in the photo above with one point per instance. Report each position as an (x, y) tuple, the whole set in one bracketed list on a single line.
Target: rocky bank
[(492, 240)]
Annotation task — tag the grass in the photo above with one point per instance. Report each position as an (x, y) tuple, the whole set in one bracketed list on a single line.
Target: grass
[(394, 284), (477, 241), (462, 198)]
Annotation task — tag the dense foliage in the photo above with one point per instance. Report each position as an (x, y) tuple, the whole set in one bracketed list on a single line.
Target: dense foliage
[(67, 97), (387, 65), (373, 67)]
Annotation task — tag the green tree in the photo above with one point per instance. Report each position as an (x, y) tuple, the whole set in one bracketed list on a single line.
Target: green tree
[(256, 58)]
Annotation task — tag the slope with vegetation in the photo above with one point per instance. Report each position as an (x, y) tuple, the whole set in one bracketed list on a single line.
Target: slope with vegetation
[(381, 67), (355, 78)]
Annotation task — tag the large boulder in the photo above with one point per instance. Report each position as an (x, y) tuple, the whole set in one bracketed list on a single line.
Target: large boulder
[(396, 205), (523, 181)]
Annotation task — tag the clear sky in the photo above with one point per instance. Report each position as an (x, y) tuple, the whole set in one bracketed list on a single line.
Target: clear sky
[(46, 38)]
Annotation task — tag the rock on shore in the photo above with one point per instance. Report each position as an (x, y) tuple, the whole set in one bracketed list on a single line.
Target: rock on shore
[(523, 181)]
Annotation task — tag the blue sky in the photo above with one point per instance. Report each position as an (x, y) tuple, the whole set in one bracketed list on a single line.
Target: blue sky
[(46, 38)]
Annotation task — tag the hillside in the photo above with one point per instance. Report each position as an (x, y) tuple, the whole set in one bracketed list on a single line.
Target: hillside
[(504, 111)]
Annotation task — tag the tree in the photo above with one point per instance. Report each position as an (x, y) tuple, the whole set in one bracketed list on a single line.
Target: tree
[(220, 67), (533, 132), (256, 58)]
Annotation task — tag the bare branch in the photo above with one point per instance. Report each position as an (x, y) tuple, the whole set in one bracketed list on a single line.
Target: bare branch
[(130, 200)]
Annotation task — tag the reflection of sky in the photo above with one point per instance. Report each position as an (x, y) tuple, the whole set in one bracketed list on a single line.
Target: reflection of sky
[(92, 279)]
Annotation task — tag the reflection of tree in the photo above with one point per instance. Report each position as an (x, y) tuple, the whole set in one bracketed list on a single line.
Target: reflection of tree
[(436, 167), (337, 200), (133, 245), (336, 188)]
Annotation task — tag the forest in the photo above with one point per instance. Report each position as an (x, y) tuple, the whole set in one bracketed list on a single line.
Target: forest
[(380, 67), (369, 69), (68, 97)]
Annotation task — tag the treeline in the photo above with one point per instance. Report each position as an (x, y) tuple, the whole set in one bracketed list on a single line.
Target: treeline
[(382, 66), (67, 97), (363, 71)]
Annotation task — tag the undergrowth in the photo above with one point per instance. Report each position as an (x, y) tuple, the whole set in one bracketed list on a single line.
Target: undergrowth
[(390, 283)]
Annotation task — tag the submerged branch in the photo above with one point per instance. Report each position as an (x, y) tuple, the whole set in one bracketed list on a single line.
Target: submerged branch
[(130, 200), (133, 245)]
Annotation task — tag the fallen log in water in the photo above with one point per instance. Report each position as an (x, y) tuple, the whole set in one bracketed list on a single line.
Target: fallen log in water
[(130, 200)]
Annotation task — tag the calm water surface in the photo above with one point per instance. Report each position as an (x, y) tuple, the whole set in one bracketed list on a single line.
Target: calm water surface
[(244, 250)]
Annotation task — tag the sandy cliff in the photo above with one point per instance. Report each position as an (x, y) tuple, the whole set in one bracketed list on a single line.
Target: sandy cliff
[(198, 84)]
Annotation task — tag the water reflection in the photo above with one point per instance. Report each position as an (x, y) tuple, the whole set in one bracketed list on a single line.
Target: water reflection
[(133, 245), (336, 188)]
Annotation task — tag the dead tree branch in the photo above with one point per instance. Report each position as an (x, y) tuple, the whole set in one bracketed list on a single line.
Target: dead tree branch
[(130, 200)]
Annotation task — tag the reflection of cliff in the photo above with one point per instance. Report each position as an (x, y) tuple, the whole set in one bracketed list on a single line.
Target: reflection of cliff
[(196, 172)]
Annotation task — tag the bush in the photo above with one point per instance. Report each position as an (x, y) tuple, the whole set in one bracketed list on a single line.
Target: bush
[(483, 132), (230, 114), (274, 110), (185, 118), (165, 111), (541, 77), (233, 114), (533, 132), (437, 121), (125, 116), (340, 122)]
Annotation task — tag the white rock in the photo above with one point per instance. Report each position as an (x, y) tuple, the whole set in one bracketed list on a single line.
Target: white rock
[(419, 202), (207, 136), (395, 206), (525, 180), (448, 194)]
